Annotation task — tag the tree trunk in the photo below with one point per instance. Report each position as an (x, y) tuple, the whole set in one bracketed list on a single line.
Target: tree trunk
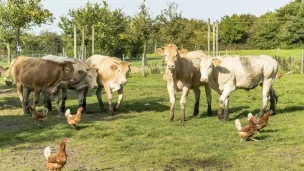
[(9, 56), (143, 62), (17, 41)]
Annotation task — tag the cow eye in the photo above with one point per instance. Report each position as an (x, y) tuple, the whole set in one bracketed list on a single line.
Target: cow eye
[(210, 66), (67, 70)]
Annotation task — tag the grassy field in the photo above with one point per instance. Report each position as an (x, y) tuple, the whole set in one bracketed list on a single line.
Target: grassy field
[(139, 136)]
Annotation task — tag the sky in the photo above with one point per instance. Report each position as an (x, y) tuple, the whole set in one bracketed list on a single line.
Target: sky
[(198, 9)]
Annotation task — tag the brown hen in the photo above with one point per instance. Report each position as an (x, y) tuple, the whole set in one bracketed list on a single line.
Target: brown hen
[(247, 131), (38, 116), (73, 120), (56, 161)]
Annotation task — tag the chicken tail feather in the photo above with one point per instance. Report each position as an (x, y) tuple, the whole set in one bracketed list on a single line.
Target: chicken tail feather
[(47, 152), (249, 115), (238, 124), (68, 113)]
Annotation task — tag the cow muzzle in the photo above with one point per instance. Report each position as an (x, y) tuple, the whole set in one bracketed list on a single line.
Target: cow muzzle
[(204, 80), (124, 82), (73, 79), (171, 66)]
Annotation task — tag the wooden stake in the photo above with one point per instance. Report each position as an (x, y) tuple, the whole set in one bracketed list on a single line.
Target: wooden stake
[(75, 43), (208, 36), (213, 39)]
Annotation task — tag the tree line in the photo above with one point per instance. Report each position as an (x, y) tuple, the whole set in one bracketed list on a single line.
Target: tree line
[(117, 34)]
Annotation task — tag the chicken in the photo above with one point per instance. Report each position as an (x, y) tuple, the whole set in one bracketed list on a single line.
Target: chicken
[(261, 122), (56, 161), (278, 76), (73, 120), (247, 131), (38, 116)]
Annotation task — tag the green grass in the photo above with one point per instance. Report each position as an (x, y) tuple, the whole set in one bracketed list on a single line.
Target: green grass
[(139, 137)]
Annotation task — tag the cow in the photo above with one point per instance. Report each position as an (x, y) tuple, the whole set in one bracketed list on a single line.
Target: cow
[(182, 74), (85, 78), (228, 73), (112, 75), (6, 73), (32, 74)]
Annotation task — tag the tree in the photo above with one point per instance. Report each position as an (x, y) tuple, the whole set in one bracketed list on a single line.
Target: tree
[(109, 27), (234, 30), (263, 33), (139, 32), (171, 29), (22, 14)]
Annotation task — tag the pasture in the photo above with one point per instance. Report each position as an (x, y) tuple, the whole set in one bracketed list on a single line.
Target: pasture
[(139, 136)]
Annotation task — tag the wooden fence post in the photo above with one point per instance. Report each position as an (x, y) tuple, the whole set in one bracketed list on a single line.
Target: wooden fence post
[(302, 62), (208, 36)]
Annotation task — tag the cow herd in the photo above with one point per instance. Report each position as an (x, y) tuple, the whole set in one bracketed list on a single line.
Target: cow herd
[(184, 71)]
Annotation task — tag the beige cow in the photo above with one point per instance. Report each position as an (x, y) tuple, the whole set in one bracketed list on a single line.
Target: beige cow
[(226, 74), (112, 75), (182, 74), (6, 74), (32, 74), (85, 78)]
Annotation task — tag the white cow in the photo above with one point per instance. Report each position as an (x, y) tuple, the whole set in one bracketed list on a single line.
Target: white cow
[(85, 78), (226, 74)]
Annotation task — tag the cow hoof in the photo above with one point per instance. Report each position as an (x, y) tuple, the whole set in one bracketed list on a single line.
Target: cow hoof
[(195, 113)]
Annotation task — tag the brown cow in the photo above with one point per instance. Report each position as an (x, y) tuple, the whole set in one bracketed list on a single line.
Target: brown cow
[(39, 75), (112, 75), (182, 74)]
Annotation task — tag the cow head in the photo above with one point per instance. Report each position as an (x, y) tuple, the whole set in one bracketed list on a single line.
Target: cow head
[(171, 54), (206, 67), (121, 70), (67, 71), (90, 76), (6, 72)]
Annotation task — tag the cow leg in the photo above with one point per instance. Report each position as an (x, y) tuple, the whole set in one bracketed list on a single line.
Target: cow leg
[(197, 94), (80, 97), (84, 103), (47, 101), (266, 88), (273, 100), (19, 88), (226, 109), (64, 89), (183, 101), (222, 103), (36, 97), (98, 94), (171, 92), (120, 97), (57, 101), (209, 99), (26, 94), (110, 97)]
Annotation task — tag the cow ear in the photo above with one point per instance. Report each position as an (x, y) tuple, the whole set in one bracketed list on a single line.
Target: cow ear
[(114, 67), (82, 72), (183, 52), (160, 51), (216, 61)]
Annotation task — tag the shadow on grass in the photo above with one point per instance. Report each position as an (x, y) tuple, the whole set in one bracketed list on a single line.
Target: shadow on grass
[(231, 110), (10, 103), (208, 164), (132, 106)]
